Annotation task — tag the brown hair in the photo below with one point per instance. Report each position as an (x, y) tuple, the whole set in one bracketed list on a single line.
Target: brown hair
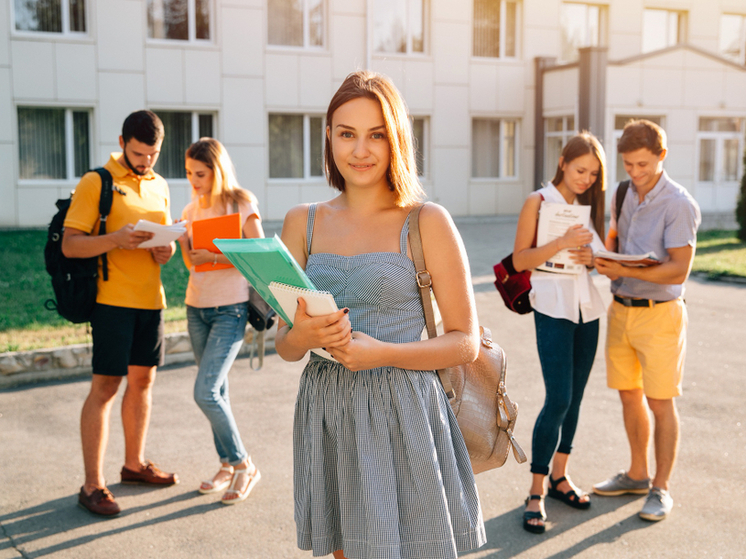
[(402, 172), (225, 188), (642, 134), (595, 197)]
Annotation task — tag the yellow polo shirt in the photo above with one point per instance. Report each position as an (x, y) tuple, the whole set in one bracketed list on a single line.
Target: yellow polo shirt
[(134, 277)]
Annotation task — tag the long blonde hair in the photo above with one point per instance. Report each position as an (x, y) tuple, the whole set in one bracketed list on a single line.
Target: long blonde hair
[(402, 171), (225, 187)]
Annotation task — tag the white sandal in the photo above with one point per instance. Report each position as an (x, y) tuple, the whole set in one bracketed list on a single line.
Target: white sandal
[(253, 479), (220, 486)]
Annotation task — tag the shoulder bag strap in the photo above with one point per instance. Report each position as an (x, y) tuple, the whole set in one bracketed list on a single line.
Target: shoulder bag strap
[(424, 283), (621, 192)]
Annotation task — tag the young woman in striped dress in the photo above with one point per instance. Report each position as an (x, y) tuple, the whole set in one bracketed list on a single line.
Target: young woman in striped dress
[(380, 467)]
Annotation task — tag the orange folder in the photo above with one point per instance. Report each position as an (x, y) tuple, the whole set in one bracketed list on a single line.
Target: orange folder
[(204, 231)]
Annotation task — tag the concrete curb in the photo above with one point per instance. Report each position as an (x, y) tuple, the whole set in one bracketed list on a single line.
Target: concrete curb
[(20, 368)]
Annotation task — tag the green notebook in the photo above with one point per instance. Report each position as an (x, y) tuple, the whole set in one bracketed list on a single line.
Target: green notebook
[(262, 261)]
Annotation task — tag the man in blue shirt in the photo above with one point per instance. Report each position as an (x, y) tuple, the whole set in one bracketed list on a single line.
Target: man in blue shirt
[(646, 334)]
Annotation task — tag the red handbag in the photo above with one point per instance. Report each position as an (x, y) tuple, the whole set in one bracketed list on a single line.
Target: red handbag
[(513, 286)]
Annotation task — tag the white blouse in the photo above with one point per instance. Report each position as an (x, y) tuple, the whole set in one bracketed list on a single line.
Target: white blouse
[(567, 296)]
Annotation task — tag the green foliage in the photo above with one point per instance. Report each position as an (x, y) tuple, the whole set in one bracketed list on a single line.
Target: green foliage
[(741, 205), (25, 284), (720, 254)]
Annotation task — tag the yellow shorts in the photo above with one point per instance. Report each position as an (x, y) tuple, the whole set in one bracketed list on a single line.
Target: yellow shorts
[(645, 348)]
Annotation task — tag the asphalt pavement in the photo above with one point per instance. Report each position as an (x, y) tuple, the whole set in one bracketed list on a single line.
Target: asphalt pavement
[(41, 467)]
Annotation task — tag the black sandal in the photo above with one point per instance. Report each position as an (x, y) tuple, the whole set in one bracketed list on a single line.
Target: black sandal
[(570, 498), (531, 515)]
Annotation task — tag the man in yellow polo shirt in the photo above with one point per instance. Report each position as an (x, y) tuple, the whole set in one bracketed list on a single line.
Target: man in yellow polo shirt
[(127, 321)]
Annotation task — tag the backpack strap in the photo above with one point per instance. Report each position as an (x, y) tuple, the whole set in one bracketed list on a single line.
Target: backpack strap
[(424, 283), (621, 192), (104, 207)]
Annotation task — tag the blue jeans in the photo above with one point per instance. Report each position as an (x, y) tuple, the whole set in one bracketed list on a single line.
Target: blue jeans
[(216, 334), (566, 352)]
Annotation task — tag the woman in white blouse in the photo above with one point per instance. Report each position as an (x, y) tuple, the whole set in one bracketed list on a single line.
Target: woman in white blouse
[(567, 308)]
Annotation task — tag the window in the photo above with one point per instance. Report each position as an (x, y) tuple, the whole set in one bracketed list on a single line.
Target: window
[(182, 129), (583, 25), (557, 130), (296, 144), (733, 37), (619, 173), (399, 25), (661, 29), (180, 20), (495, 25), (420, 134), (494, 145), (296, 23), (53, 143), (720, 146), (50, 16)]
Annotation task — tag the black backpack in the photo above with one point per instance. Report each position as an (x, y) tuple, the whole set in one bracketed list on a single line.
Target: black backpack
[(74, 279)]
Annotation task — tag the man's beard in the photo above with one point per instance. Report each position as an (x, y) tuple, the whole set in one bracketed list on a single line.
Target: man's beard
[(132, 167)]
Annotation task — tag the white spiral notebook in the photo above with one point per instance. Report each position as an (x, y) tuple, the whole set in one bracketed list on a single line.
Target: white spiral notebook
[(318, 303)]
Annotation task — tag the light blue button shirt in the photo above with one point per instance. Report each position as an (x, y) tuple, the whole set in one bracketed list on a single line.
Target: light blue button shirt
[(668, 217)]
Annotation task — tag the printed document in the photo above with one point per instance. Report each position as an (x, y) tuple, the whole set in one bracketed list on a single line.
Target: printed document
[(554, 220), (164, 234)]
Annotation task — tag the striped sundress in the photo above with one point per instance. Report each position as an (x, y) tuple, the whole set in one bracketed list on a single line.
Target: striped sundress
[(381, 470)]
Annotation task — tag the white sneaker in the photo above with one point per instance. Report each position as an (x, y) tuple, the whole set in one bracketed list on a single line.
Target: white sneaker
[(657, 506)]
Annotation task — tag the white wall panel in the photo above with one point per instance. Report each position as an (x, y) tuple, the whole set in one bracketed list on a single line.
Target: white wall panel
[(36, 205), (510, 89), (347, 38), (483, 87), (280, 198), (243, 39), (243, 111), (451, 123), (482, 198), (76, 72), (121, 94), (662, 87), (5, 27), (164, 75), (315, 74), (250, 163), (7, 112), (33, 70), (202, 76), (418, 85), (8, 193), (282, 80), (121, 31), (451, 50), (451, 169)]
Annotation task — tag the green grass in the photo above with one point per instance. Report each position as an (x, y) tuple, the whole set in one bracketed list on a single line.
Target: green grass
[(24, 286), (720, 254)]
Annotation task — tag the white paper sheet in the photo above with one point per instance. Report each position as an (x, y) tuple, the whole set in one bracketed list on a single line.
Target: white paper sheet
[(164, 234)]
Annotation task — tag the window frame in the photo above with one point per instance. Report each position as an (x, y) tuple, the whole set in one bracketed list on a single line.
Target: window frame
[(603, 22), (720, 138), (742, 38), (306, 31), (681, 27), (502, 32), (191, 27), (502, 162), (565, 134), (424, 149), (307, 176), (65, 23), (426, 11), (69, 143), (195, 114)]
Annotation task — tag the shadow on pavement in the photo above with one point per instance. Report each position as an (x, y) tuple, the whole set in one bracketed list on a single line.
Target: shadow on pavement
[(64, 515)]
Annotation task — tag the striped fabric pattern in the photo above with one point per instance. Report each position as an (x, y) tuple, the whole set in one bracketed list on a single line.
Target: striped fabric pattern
[(381, 470)]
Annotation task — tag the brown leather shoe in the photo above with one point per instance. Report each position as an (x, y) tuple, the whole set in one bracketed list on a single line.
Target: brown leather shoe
[(101, 501), (150, 474)]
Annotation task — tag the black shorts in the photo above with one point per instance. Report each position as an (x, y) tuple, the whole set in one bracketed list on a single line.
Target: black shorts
[(123, 337)]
